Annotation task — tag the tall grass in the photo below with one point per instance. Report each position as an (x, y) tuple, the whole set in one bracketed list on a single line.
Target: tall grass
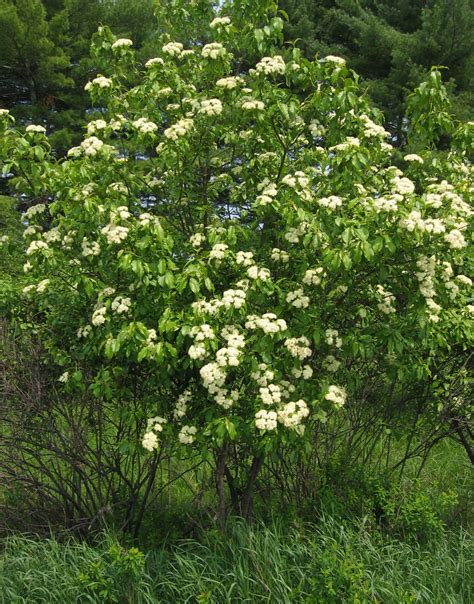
[(331, 562)]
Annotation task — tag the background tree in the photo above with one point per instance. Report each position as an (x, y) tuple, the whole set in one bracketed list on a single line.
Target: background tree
[(392, 45)]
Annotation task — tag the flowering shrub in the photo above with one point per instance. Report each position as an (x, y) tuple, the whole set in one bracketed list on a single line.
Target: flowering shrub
[(241, 239)]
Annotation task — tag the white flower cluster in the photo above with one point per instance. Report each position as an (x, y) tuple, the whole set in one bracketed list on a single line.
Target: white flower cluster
[(200, 334), (154, 427), (338, 61), (187, 434), (316, 128), (36, 129), (154, 61), (182, 404), (92, 145), (414, 221), (413, 157), (219, 22), (268, 323), (181, 128), (121, 305), (280, 256), (83, 332), (270, 394), (255, 272), (298, 347), (387, 300), (233, 298), (298, 180), (213, 377), (98, 316), (253, 104), (331, 364), (349, 144), (39, 208), (214, 50), (270, 65), (145, 126), (230, 82), (218, 251), (269, 192), (455, 239), (262, 375), (292, 414), (174, 49), (297, 299), (99, 82), (305, 372), (336, 395), (332, 202), (425, 275), (122, 43), (95, 125), (294, 233), (244, 258), (90, 248), (403, 185), (333, 338), (313, 276), (266, 420), (373, 130), (387, 203), (197, 240), (211, 107), (114, 233), (36, 246)]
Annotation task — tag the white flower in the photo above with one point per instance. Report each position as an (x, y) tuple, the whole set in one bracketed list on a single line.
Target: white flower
[(145, 126), (92, 145), (387, 303), (292, 414), (154, 61), (114, 233), (266, 420), (297, 299), (269, 323), (36, 129), (181, 128), (219, 22), (39, 208), (100, 82), (313, 276), (251, 105), (90, 248), (98, 316), (331, 364), (332, 202), (269, 65), (455, 239), (214, 50), (197, 240), (244, 258), (332, 338), (211, 107), (254, 272), (186, 435), (36, 246), (233, 298), (64, 377), (150, 441), (404, 185), (173, 49), (337, 395), (298, 347), (339, 61), (280, 256), (218, 251), (230, 82), (121, 305), (122, 43), (413, 157)]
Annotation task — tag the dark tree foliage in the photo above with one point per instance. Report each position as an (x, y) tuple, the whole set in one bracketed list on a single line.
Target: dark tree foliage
[(392, 45)]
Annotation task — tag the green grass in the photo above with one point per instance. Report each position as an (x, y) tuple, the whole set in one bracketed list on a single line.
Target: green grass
[(331, 562)]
